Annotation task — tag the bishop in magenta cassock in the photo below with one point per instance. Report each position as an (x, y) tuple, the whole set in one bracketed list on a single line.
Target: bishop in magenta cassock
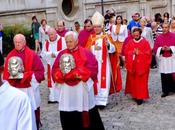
[(164, 48)]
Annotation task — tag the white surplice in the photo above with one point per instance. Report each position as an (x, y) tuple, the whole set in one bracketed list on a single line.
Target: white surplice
[(15, 109), (166, 64), (47, 56), (76, 98)]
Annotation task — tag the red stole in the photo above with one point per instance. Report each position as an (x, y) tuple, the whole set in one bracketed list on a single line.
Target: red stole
[(59, 47), (104, 60), (28, 61)]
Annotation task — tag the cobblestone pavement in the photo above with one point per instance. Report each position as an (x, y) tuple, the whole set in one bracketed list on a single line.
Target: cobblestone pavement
[(122, 113)]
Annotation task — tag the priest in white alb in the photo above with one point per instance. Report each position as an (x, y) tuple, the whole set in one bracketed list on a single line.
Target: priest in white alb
[(51, 49)]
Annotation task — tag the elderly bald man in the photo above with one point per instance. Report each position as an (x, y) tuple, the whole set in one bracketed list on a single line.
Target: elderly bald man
[(51, 49), (33, 73)]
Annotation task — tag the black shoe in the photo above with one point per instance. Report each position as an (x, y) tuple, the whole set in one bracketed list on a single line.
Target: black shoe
[(139, 101), (153, 67), (52, 102), (164, 95), (101, 107)]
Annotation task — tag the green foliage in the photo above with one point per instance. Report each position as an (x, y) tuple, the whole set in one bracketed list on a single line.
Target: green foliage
[(10, 32)]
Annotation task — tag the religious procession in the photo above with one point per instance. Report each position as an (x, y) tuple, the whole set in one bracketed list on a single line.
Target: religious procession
[(81, 71)]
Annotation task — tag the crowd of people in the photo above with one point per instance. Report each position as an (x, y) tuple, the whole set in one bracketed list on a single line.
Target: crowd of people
[(83, 68)]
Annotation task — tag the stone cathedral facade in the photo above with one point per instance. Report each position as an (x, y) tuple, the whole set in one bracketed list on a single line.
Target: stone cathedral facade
[(21, 11)]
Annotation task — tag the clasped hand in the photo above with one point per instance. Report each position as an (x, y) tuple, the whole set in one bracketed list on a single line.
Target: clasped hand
[(136, 51), (166, 48)]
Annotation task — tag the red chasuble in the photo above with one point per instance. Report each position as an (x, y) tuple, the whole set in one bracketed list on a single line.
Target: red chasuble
[(137, 69), (30, 67)]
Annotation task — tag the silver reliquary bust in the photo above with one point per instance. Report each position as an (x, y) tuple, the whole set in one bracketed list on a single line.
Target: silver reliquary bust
[(15, 67), (66, 63)]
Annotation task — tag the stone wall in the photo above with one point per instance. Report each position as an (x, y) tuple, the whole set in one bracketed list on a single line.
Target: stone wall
[(21, 11), (128, 7)]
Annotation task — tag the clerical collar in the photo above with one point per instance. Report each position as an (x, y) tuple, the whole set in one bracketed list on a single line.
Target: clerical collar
[(166, 33), (20, 51), (74, 49), (57, 38), (99, 35), (63, 30), (137, 41)]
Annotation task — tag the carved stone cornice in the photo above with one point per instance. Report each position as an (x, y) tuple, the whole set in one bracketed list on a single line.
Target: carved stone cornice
[(160, 4), (110, 2)]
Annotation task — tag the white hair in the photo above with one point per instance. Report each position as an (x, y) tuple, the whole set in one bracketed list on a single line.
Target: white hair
[(21, 36), (72, 33), (51, 30)]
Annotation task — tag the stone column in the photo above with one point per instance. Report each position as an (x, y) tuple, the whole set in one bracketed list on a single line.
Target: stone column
[(173, 8), (143, 10)]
